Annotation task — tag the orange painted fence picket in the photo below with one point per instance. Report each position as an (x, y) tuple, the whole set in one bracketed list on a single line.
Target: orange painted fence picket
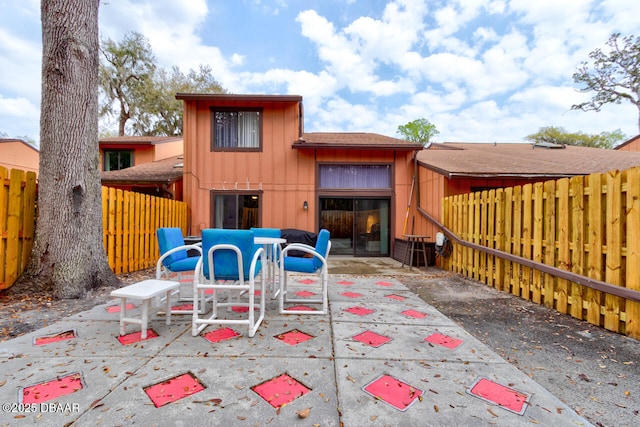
[(17, 222), (588, 225), (129, 220)]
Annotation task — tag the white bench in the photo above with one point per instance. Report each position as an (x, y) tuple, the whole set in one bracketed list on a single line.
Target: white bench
[(145, 291)]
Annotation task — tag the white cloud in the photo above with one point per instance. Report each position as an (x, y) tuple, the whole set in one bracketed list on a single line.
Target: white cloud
[(21, 117), (20, 59), (481, 70)]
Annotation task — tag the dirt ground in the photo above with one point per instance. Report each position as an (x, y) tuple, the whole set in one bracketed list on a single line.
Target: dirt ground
[(594, 371)]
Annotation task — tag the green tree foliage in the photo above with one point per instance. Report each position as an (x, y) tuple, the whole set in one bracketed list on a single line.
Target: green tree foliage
[(557, 135), (145, 92), (419, 130), (614, 77), (126, 71), (25, 138), (162, 113)]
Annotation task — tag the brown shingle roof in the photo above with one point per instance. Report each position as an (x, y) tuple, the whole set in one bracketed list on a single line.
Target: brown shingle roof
[(522, 160), (152, 140), (165, 170), (354, 140)]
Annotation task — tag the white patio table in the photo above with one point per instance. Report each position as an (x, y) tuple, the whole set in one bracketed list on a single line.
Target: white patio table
[(269, 245)]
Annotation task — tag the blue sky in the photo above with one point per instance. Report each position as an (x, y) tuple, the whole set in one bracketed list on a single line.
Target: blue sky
[(480, 70)]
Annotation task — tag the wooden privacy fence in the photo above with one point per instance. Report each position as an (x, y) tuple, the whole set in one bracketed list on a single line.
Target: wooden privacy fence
[(17, 222), (129, 220), (587, 225)]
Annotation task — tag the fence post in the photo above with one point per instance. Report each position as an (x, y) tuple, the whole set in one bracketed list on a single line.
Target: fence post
[(633, 250), (564, 249), (550, 241), (13, 226), (577, 242), (594, 242), (613, 273), (516, 278), (4, 195)]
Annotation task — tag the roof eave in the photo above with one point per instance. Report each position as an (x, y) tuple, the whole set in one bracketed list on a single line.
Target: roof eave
[(511, 175), (141, 181), (316, 146), (496, 175), (236, 97)]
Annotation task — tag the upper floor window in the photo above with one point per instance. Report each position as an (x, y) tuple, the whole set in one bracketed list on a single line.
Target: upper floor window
[(236, 130), (338, 176), (114, 160)]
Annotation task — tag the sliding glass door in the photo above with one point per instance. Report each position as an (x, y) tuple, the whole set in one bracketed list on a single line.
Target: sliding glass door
[(371, 227), (358, 226)]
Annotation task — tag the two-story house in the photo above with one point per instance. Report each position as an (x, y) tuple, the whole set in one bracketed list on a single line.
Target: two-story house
[(249, 163)]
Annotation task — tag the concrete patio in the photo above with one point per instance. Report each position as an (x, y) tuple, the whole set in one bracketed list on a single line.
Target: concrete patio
[(382, 357)]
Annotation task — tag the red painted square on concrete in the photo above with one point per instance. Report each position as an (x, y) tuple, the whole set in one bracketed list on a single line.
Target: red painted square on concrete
[(371, 338), (304, 294), (220, 335), (52, 389), (280, 390), (345, 283), (183, 307), (396, 393), (444, 340), (300, 308), (415, 314), (382, 283), (498, 394), (351, 294), (136, 337), (116, 308), (306, 281), (62, 336), (360, 311), (243, 309), (173, 389), (294, 337), (395, 297)]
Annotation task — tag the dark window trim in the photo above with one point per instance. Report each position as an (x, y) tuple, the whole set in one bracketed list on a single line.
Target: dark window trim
[(213, 111), (106, 151), (214, 193), (389, 190)]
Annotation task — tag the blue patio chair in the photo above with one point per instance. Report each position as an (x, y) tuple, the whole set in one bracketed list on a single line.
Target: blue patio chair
[(231, 265), (175, 261), (316, 264)]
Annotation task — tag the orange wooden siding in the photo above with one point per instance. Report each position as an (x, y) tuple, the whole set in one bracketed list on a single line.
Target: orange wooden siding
[(278, 171), (17, 154), (434, 186), (284, 176)]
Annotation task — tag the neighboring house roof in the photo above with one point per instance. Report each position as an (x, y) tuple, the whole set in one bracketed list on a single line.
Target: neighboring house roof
[(628, 142), (8, 140), (142, 140), (354, 140), (165, 171), (522, 160)]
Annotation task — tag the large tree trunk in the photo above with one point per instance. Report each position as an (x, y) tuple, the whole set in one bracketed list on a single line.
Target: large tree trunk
[(68, 255)]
